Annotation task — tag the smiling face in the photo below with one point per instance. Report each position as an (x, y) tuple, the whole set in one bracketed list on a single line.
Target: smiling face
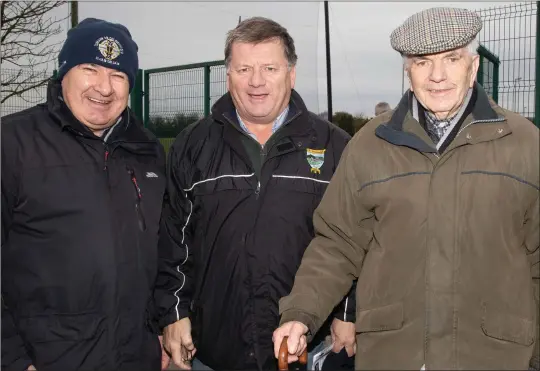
[(441, 81), (260, 80), (96, 95)]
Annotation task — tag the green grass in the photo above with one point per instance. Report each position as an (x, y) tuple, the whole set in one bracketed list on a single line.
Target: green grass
[(166, 142)]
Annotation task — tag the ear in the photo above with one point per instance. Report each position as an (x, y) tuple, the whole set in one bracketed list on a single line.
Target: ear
[(474, 70), (408, 72), (292, 76), (227, 80)]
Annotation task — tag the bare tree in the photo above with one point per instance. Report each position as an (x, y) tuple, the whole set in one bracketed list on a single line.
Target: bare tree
[(27, 27)]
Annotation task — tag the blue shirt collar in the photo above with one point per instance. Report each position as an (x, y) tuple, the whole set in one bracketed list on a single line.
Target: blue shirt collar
[(279, 121)]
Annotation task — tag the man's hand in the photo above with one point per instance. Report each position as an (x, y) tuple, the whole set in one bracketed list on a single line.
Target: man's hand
[(297, 341), (178, 343), (165, 359), (343, 335)]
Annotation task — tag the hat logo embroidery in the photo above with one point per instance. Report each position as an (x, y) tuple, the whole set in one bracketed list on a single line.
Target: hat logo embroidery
[(315, 159), (109, 48)]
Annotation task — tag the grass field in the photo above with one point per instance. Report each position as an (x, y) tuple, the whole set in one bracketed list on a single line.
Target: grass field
[(166, 142)]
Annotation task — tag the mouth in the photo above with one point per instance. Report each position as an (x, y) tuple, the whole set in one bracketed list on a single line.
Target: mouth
[(258, 97), (439, 92), (99, 102)]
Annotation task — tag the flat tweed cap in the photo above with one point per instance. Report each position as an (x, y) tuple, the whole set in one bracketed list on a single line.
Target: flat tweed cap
[(436, 30)]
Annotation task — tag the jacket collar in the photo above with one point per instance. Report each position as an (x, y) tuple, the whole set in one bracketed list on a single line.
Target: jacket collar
[(403, 130), (297, 122)]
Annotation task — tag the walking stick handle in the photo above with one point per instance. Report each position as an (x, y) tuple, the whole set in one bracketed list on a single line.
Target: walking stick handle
[(283, 356)]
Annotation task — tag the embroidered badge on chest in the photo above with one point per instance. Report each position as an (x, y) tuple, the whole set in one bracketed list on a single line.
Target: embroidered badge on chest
[(315, 159)]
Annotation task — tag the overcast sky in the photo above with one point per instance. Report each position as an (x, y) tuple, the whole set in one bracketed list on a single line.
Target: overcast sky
[(365, 69)]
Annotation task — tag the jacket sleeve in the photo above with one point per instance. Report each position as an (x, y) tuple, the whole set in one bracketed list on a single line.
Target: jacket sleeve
[(346, 310), (174, 283), (343, 228), (14, 354), (532, 245)]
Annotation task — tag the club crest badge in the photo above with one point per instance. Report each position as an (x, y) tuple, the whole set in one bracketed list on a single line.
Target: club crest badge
[(315, 159), (109, 48)]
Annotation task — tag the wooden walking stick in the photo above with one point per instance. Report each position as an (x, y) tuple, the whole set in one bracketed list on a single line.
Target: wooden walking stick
[(283, 356)]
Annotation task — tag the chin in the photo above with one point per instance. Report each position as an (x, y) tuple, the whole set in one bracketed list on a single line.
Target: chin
[(98, 122), (259, 113), (440, 106)]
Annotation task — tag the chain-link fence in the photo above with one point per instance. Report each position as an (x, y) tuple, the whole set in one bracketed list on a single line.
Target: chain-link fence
[(22, 89), (510, 34), (175, 97)]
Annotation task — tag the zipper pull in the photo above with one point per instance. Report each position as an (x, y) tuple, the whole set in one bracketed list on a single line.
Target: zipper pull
[(106, 158), (138, 210), (134, 181), (258, 190)]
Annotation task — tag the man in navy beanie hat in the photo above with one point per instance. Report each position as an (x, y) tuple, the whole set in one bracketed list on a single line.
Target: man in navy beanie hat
[(82, 187), (100, 42)]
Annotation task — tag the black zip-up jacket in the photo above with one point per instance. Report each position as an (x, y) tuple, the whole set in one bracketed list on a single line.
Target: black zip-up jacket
[(235, 225), (80, 219)]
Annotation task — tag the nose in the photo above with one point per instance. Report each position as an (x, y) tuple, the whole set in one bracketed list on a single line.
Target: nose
[(256, 79), (103, 85), (438, 71)]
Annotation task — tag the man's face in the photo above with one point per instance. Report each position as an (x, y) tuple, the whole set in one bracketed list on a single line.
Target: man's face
[(96, 95), (260, 80), (441, 81)]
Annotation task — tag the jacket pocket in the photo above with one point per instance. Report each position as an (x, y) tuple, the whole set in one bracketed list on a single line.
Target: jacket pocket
[(389, 317), (301, 184), (507, 327), (59, 327), (66, 341)]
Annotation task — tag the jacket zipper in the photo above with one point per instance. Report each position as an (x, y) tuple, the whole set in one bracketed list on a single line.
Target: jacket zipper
[(263, 153), (500, 119), (138, 210), (258, 190), (106, 158)]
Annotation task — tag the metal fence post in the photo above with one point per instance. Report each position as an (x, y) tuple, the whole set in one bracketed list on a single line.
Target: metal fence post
[(146, 96), (137, 95), (480, 73), (488, 72), (206, 90), (537, 73), (496, 82)]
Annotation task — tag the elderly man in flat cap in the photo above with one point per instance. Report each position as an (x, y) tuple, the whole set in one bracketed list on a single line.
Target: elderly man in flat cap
[(440, 226)]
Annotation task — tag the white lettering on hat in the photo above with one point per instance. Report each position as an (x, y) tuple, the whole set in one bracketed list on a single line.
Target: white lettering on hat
[(107, 61)]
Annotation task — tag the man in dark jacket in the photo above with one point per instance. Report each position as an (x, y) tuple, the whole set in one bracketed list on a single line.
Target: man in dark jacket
[(82, 188), (242, 188)]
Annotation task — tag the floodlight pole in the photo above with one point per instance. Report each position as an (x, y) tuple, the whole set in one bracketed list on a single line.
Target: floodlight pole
[(328, 64)]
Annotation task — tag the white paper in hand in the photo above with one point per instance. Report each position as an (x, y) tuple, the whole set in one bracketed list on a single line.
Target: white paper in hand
[(318, 358)]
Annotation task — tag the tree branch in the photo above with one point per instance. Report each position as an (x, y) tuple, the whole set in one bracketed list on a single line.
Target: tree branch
[(26, 30)]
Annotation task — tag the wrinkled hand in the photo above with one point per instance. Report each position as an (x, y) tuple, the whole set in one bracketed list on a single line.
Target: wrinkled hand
[(343, 336), (165, 359), (297, 341), (178, 343)]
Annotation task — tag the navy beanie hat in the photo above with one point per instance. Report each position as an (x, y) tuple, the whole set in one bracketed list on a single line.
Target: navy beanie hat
[(99, 42)]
